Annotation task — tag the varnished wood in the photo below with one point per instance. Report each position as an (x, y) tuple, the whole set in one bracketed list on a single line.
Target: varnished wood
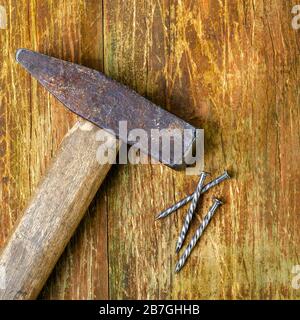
[(54, 212), (230, 67)]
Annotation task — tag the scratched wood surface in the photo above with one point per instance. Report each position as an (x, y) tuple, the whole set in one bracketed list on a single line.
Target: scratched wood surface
[(230, 67)]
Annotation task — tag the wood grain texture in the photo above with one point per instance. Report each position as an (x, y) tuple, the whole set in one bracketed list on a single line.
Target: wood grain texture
[(33, 124), (54, 212), (230, 67), (3, 19)]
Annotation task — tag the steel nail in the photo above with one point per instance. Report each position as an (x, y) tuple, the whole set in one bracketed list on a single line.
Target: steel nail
[(187, 199), (190, 213), (197, 235)]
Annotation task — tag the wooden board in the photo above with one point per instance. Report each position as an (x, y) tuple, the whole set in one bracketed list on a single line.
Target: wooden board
[(230, 67)]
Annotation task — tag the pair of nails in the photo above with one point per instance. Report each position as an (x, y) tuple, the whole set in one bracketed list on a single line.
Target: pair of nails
[(200, 189), (198, 234), (187, 199)]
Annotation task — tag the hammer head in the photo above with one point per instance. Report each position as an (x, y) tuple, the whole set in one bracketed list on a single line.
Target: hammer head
[(105, 102)]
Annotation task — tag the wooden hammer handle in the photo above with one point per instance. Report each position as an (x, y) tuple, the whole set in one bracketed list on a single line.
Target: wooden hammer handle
[(53, 214)]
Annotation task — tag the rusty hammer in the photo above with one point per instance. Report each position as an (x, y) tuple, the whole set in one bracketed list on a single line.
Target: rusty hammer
[(76, 172)]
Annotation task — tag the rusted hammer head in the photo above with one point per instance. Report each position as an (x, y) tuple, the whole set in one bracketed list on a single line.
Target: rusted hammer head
[(105, 102)]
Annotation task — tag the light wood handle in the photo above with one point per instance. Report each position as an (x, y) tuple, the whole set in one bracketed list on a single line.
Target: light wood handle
[(53, 214)]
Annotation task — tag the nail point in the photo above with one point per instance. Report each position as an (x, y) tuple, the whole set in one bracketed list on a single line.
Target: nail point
[(18, 52)]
